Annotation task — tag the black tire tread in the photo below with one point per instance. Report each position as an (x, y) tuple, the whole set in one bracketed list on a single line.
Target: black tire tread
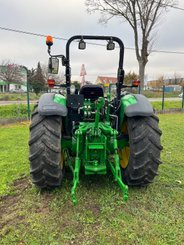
[(145, 149), (45, 150)]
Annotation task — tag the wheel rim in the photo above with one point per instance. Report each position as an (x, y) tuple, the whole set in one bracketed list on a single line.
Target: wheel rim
[(124, 154)]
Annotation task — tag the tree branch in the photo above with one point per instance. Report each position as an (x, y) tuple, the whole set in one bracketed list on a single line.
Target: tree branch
[(141, 15)]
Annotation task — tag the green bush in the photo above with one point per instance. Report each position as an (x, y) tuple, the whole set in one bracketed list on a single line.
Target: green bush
[(14, 111), (18, 96)]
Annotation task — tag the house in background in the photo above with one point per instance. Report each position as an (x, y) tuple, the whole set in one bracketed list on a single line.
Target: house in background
[(3, 87), (172, 88), (12, 87), (21, 86), (171, 84), (105, 81)]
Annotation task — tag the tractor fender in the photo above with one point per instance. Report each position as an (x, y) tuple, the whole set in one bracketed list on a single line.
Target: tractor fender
[(134, 105), (138, 105), (51, 104)]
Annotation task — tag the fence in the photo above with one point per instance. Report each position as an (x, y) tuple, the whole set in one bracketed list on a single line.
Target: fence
[(180, 96), (161, 101)]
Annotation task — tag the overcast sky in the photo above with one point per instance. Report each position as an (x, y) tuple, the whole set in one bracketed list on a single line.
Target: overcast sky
[(67, 18)]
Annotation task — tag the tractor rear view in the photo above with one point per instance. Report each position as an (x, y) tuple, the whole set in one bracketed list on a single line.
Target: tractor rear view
[(89, 131)]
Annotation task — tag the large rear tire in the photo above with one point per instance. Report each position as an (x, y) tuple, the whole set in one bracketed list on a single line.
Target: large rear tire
[(46, 166), (143, 153)]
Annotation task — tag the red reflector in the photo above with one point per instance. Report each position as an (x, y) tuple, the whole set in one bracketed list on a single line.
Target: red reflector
[(136, 83), (51, 83)]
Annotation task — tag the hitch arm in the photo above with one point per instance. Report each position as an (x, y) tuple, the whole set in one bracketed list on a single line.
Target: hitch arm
[(76, 169), (115, 168)]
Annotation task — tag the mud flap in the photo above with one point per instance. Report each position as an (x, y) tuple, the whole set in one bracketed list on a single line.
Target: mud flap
[(47, 106)]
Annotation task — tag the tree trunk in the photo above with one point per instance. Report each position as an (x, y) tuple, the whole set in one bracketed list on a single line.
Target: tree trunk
[(141, 74)]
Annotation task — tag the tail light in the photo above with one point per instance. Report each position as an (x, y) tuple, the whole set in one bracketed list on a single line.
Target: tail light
[(135, 83), (51, 83)]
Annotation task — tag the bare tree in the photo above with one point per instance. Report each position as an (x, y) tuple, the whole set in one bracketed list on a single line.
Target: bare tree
[(142, 15), (182, 82), (177, 79), (11, 73), (160, 82)]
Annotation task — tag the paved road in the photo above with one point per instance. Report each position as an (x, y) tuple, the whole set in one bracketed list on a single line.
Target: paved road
[(166, 99), (34, 102), (17, 102)]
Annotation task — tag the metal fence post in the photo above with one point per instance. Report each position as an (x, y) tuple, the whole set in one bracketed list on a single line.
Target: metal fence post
[(183, 97), (139, 88), (163, 94), (28, 99)]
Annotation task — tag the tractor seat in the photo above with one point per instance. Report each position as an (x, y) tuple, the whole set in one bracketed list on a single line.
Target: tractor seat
[(92, 92)]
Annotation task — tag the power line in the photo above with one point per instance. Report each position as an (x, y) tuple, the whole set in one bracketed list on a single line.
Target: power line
[(167, 52), (91, 43), (30, 33)]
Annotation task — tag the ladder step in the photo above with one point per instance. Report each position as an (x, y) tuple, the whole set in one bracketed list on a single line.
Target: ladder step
[(97, 147)]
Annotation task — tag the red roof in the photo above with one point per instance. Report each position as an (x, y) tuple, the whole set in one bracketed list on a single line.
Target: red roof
[(106, 80)]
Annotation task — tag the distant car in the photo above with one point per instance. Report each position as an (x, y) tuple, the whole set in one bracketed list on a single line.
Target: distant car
[(17, 90), (180, 95)]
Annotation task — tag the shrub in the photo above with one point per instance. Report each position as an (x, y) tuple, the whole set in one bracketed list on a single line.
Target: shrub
[(14, 111)]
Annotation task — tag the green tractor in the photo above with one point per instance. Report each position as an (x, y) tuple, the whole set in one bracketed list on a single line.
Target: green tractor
[(88, 131)]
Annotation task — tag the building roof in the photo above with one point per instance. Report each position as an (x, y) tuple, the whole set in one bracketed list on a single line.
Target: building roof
[(106, 80)]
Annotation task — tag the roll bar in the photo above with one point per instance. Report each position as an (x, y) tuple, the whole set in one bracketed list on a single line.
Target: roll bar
[(120, 72)]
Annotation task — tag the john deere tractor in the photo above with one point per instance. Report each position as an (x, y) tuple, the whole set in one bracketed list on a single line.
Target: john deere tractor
[(87, 130)]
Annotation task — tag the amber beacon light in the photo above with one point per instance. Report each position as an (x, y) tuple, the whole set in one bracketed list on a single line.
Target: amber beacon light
[(49, 41)]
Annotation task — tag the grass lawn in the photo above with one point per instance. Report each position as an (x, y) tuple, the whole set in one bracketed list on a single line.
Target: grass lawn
[(13, 154), (157, 105), (152, 215), (14, 111), (18, 96), (159, 94)]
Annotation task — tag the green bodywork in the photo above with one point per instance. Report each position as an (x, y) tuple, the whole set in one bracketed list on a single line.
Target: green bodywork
[(60, 99), (126, 101), (94, 145)]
